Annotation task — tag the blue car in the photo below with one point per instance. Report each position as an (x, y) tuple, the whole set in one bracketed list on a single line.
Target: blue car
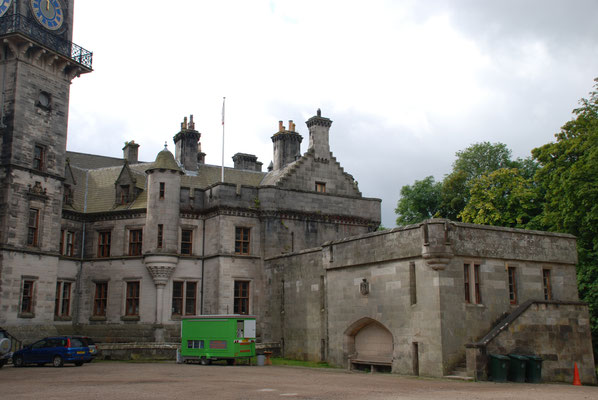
[(56, 350)]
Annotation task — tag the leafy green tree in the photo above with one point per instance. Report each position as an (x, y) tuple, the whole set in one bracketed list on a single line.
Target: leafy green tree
[(473, 162), (568, 174), (504, 198), (418, 202)]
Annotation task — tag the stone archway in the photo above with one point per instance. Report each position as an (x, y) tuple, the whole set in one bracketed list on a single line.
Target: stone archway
[(369, 342)]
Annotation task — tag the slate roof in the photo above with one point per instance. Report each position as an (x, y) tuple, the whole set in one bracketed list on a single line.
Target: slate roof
[(97, 175)]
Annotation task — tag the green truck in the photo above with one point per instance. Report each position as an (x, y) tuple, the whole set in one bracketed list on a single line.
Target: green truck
[(207, 338)]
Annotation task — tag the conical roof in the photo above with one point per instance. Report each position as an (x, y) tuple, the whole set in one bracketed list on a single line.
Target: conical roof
[(165, 160)]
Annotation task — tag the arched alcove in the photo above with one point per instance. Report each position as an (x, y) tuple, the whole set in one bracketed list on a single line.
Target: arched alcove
[(369, 342)]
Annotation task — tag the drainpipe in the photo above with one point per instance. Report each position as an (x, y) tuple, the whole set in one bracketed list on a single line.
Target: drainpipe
[(203, 249), (82, 255)]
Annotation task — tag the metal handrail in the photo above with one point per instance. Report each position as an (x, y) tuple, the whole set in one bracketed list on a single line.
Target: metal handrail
[(17, 23)]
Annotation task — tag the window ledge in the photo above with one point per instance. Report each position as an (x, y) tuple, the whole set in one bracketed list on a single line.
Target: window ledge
[(481, 305), (63, 318), (26, 315), (97, 318), (130, 318)]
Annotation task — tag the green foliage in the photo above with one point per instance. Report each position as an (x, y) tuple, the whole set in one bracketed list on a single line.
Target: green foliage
[(418, 202), (503, 197), (568, 174), (477, 160)]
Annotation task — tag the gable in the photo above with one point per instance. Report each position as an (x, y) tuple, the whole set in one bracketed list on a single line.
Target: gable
[(308, 172)]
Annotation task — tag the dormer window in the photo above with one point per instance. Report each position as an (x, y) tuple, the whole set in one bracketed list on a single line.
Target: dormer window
[(67, 196), (124, 194)]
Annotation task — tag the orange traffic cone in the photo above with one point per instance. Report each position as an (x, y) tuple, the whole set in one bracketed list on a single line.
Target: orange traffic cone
[(576, 380)]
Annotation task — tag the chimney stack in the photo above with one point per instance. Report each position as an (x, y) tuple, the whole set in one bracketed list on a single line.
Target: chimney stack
[(186, 142), (319, 128), (287, 145), (131, 152)]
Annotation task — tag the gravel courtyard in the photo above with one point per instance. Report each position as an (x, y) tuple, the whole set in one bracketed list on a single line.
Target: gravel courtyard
[(116, 380)]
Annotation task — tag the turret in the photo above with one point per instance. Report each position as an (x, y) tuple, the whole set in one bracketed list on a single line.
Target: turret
[(287, 145), (186, 142), (163, 198), (319, 128)]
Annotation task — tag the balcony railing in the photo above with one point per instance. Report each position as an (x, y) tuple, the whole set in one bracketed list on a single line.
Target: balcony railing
[(17, 23)]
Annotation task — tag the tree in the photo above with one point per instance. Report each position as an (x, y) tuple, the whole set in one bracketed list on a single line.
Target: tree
[(504, 198), (418, 202), (568, 174), (473, 162)]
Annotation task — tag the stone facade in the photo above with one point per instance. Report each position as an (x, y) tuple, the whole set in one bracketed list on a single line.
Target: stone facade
[(120, 249), (410, 284)]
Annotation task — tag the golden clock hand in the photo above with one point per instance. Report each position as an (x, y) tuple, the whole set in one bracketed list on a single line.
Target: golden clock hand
[(47, 5)]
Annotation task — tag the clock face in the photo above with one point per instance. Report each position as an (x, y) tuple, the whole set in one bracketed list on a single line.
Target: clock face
[(4, 5), (49, 13)]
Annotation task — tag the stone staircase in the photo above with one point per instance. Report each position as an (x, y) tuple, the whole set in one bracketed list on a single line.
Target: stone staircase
[(459, 372)]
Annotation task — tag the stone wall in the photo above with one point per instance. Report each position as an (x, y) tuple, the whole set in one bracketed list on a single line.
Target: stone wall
[(558, 332)]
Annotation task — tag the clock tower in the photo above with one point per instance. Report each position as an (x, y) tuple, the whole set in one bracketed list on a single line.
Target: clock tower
[(38, 61)]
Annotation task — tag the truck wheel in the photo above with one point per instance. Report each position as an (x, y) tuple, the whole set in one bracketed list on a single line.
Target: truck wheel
[(205, 361), (230, 361)]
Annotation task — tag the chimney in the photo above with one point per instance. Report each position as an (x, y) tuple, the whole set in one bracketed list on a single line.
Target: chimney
[(319, 128), (287, 145), (186, 142), (131, 152), (247, 161)]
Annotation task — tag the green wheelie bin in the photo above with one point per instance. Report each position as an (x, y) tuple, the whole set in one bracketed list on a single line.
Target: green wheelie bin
[(517, 368), (533, 369), (499, 367)]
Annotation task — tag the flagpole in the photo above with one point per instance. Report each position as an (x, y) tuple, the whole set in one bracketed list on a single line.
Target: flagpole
[(222, 175)]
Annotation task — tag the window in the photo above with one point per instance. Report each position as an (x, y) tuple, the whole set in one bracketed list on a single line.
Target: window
[(412, 283), (160, 235), (195, 344), (66, 243), (62, 304), (466, 280), (186, 241), (39, 153), (124, 194), (547, 287), (27, 297), (241, 305), (162, 190), (33, 227), (184, 295), (512, 285), (135, 242), (67, 196), (132, 301), (320, 187), (476, 275), (100, 299), (104, 244), (242, 240), (476, 296)]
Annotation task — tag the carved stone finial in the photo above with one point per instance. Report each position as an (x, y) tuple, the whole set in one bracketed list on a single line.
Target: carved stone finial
[(319, 113), (165, 145), (191, 123)]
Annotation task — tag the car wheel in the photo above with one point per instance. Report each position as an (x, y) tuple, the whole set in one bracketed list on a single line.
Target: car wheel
[(18, 361), (57, 361), (78, 363)]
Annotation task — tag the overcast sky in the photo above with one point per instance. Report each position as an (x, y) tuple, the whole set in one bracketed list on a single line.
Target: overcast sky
[(406, 83)]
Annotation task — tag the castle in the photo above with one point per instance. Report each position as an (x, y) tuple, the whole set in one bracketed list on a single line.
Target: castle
[(120, 249)]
